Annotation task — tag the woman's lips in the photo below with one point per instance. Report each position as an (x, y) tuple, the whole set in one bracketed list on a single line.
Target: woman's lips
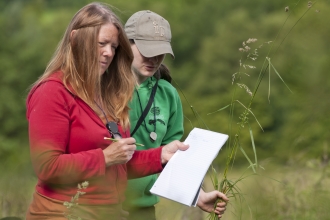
[(104, 63), (149, 68)]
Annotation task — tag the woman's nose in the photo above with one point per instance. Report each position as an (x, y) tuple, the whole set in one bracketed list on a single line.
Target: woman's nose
[(108, 51)]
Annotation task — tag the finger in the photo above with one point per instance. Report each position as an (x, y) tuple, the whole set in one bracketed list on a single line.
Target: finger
[(221, 204), (128, 147), (131, 148), (129, 141), (222, 196), (183, 146), (220, 210)]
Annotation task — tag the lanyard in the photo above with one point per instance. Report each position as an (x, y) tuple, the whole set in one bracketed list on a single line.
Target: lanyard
[(145, 111)]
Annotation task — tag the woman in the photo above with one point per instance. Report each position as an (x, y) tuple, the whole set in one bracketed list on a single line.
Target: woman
[(73, 109), (156, 115)]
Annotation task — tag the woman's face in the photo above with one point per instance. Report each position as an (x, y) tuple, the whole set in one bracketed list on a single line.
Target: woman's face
[(108, 43), (144, 67)]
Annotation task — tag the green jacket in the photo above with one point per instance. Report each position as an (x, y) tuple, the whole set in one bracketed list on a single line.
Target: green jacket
[(166, 112)]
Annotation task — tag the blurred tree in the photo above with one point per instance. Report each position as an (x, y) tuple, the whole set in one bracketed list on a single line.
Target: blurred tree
[(206, 37)]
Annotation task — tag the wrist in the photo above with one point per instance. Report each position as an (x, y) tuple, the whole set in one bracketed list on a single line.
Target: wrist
[(163, 161), (107, 159)]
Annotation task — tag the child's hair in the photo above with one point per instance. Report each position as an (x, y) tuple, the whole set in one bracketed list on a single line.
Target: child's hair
[(164, 73)]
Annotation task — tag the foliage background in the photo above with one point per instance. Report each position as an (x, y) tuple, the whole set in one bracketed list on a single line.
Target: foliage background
[(206, 35)]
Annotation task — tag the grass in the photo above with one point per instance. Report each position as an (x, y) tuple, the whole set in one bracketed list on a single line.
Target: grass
[(225, 184), (16, 188), (292, 192)]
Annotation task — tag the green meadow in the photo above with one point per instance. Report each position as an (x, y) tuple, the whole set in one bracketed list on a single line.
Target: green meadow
[(281, 192), (272, 100)]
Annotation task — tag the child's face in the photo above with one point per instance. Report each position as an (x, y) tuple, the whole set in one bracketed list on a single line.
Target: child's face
[(145, 67)]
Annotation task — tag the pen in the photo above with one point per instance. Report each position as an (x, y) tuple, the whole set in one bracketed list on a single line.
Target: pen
[(112, 139)]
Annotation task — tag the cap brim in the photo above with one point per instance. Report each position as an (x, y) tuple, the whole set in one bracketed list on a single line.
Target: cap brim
[(154, 48)]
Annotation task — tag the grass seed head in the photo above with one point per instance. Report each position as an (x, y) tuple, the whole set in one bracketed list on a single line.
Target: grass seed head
[(309, 4)]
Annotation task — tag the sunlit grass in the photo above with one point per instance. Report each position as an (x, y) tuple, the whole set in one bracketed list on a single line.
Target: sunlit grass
[(278, 193), (16, 191), (281, 192)]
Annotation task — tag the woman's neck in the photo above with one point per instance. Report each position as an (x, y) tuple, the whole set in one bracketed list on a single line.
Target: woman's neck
[(140, 79)]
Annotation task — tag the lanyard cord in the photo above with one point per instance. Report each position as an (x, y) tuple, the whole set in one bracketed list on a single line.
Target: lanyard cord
[(102, 111), (145, 111), (111, 126), (151, 110)]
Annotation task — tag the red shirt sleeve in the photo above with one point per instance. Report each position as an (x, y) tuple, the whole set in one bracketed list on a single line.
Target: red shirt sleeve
[(145, 162)]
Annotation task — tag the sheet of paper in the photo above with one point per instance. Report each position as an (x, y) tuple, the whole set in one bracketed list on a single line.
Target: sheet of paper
[(183, 175)]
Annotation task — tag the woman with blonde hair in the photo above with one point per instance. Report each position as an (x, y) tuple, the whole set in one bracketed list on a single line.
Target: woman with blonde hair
[(79, 123)]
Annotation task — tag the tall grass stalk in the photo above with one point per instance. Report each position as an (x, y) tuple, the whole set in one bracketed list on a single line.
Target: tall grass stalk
[(223, 183)]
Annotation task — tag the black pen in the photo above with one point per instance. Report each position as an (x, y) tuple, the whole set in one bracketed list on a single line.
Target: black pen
[(112, 139)]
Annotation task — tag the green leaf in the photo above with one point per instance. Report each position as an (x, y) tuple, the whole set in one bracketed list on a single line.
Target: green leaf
[(252, 165), (253, 145), (270, 64)]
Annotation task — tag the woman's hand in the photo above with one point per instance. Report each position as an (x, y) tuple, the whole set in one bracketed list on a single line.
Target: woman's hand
[(169, 149), (206, 202), (119, 152)]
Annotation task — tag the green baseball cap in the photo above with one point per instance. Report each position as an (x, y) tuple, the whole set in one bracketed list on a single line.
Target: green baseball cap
[(150, 32)]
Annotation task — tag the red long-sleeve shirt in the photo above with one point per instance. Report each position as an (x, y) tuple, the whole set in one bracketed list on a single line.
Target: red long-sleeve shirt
[(66, 142)]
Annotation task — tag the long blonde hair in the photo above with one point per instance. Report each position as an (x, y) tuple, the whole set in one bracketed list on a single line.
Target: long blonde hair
[(78, 59)]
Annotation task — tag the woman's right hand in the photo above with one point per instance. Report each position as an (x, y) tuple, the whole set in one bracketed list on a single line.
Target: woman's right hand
[(119, 152)]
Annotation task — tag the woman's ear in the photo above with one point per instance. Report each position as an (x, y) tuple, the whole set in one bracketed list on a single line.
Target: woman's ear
[(73, 32)]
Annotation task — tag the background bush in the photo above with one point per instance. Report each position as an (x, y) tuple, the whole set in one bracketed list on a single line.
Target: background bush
[(206, 37)]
